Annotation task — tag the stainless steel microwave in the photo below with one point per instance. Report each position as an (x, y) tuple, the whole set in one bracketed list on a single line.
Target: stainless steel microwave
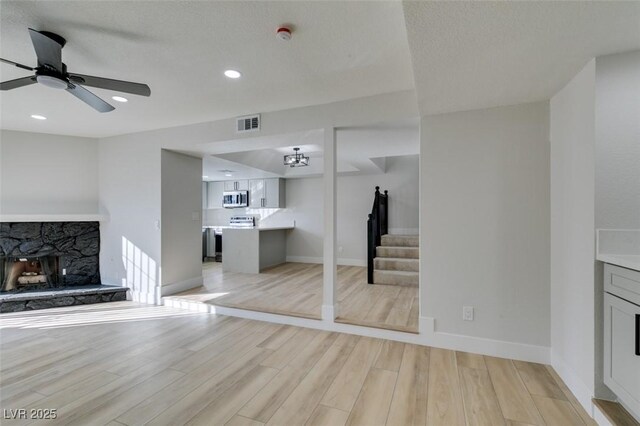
[(234, 199)]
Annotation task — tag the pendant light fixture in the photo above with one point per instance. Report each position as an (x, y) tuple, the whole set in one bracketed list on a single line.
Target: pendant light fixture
[(297, 159)]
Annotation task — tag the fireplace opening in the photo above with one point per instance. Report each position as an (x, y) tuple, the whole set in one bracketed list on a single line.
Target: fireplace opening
[(25, 273)]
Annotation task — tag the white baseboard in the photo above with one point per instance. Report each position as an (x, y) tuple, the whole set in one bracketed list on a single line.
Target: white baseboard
[(600, 418), (426, 337), (152, 298), (177, 287), (403, 231), (573, 382), (305, 259), (329, 313), (343, 261), (481, 345)]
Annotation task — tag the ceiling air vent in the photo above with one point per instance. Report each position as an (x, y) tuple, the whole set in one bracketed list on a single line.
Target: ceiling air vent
[(250, 123)]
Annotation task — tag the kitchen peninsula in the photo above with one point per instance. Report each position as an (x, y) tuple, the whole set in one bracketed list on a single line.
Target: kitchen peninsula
[(251, 250)]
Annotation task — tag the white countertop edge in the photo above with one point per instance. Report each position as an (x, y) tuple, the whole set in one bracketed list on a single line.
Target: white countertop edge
[(257, 228), (625, 261), (89, 217)]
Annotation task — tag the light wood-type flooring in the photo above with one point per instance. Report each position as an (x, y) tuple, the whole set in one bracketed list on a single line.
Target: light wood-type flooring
[(123, 363), (295, 289)]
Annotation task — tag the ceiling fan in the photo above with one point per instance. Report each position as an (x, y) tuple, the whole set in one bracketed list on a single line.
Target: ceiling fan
[(52, 72)]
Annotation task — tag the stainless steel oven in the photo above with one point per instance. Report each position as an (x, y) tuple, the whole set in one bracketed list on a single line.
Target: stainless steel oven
[(234, 199)]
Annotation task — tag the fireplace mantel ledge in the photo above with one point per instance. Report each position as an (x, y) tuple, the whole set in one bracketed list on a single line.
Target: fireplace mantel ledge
[(84, 217)]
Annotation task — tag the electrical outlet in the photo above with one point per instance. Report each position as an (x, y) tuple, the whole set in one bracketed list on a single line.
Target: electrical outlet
[(467, 313)]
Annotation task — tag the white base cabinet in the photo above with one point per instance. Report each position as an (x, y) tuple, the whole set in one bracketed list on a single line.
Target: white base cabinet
[(622, 336)]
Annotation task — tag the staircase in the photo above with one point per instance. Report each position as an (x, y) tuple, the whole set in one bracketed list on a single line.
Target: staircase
[(391, 259), (396, 260)]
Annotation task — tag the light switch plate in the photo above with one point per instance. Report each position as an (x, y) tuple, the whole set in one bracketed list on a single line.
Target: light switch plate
[(467, 313)]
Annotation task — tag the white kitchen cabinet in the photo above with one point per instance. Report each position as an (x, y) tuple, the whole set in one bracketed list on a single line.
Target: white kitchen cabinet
[(267, 193), (622, 341), (204, 194), (214, 195), (256, 193), (236, 185)]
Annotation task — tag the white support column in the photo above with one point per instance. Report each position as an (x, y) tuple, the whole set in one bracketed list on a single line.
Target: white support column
[(329, 308)]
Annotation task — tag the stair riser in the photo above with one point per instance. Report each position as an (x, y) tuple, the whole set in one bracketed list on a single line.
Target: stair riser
[(399, 241), (405, 252), (389, 278), (396, 265)]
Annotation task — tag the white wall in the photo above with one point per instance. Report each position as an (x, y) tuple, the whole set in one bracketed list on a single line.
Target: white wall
[(130, 195), (181, 198), (617, 141), (572, 233), (305, 201), (485, 222), (48, 174)]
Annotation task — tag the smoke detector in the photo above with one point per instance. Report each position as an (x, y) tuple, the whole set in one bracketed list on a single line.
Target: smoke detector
[(283, 33)]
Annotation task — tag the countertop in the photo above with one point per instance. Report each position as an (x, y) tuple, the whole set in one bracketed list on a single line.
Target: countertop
[(620, 247), (625, 260), (257, 228)]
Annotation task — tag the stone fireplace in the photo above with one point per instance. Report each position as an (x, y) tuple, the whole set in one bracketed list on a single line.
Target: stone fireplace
[(51, 264), (48, 255)]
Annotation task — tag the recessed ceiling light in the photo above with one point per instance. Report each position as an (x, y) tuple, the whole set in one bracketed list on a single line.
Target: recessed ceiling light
[(228, 174), (204, 177), (119, 99), (38, 117), (232, 73)]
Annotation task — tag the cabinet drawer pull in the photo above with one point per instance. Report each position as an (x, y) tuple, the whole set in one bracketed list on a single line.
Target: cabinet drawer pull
[(638, 334)]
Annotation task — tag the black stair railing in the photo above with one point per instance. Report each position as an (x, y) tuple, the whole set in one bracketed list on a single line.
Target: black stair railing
[(376, 228)]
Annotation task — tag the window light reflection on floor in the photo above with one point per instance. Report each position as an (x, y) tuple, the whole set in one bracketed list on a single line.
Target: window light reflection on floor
[(84, 315)]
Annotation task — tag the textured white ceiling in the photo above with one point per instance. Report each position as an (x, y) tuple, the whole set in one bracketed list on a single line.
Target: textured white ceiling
[(469, 55), (463, 55), (339, 50)]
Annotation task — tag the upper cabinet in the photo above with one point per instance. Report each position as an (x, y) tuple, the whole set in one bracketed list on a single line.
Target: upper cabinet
[(214, 195), (257, 193), (205, 187), (236, 185), (267, 193)]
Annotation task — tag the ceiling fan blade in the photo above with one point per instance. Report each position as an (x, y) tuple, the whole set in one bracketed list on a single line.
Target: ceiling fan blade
[(109, 84), (6, 61), (89, 98), (48, 51), (18, 82)]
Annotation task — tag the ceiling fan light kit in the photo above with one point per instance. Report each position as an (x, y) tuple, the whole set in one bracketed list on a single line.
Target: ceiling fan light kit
[(52, 72)]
